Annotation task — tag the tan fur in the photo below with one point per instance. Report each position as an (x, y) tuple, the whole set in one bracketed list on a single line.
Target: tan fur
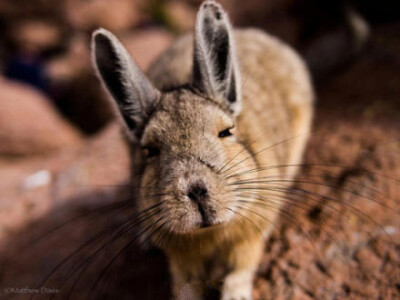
[(277, 93), (277, 106), (270, 134)]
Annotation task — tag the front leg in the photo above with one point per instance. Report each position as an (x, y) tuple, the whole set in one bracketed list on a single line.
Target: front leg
[(181, 288), (186, 291), (238, 285)]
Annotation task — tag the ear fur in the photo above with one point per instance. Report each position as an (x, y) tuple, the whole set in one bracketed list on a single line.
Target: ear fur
[(133, 93), (215, 70)]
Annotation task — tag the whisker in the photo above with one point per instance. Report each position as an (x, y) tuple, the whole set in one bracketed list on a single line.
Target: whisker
[(103, 273), (93, 256), (278, 199), (308, 165), (248, 219), (220, 170), (262, 178), (302, 191), (320, 184), (94, 239), (100, 210), (262, 150)]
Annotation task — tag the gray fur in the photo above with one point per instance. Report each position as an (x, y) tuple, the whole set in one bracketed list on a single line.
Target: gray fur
[(215, 71), (133, 93)]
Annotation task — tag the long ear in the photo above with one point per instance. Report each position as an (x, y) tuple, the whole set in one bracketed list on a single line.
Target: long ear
[(215, 70), (132, 91)]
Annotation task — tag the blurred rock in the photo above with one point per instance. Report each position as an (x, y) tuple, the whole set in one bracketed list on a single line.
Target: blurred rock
[(29, 40), (146, 45), (29, 124), (29, 188), (83, 101), (181, 16), (114, 15), (71, 63), (76, 90), (276, 17), (31, 27), (34, 36)]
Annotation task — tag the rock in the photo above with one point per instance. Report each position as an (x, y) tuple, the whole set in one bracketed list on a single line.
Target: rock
[(115, 15), (29, 123), (276, 17), (146, 45), (77, 91), (181, 16), (33, 36), (30, 188), (70, 64)]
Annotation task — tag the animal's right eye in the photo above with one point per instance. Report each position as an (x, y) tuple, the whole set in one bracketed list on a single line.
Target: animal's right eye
[(225, 133), (151, 151)]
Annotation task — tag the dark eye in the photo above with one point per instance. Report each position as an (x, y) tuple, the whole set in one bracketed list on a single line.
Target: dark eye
[(225, 133), (151, 151)]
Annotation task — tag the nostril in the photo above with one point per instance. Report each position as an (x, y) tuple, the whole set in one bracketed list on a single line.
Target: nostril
[(197, 193)]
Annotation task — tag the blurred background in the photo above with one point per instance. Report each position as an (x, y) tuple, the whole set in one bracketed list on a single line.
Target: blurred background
[(44, 44), (59, 145)]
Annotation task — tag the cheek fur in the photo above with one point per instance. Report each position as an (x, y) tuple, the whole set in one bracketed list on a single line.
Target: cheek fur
[(149, 189), (169, 188)]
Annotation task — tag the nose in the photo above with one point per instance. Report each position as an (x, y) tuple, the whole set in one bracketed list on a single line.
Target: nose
[(198, 193)]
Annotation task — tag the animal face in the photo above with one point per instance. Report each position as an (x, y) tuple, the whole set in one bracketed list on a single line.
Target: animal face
[(185, 146)]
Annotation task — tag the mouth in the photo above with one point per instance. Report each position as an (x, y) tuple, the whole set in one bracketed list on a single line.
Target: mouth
[(196, 212), (207, 217), (207, 229)]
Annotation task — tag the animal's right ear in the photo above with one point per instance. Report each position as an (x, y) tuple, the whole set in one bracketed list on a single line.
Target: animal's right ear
[(215, 67), (133, 93)]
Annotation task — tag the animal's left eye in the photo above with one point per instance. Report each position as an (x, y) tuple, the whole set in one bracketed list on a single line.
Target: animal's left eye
[(150, 152), (225, 133)]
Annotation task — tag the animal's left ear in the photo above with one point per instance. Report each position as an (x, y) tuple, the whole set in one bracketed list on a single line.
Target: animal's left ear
[(133, 94), (215, 70)]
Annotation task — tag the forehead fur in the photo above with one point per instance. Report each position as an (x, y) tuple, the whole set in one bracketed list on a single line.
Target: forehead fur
[(184, 115)]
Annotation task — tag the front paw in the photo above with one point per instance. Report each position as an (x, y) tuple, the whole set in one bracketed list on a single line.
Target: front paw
[(237, 295), (238, 286)]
